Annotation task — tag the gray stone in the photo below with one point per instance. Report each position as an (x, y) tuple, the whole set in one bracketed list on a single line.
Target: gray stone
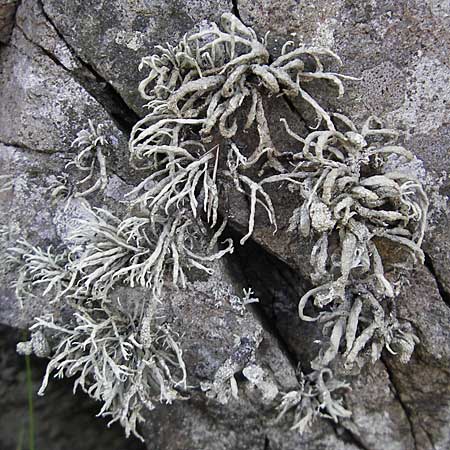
[(113, 36)]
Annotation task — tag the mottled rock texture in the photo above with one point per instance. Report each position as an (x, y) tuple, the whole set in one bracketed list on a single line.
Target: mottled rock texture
[(70, 60)]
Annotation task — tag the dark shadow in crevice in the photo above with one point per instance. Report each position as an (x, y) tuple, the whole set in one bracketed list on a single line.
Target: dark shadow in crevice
[(96, 85), (235, 10), (444, 294), (347, 436), (123, 116), (279, 289), (7, 20)]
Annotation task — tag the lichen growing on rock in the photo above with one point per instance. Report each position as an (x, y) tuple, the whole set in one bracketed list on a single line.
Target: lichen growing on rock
[(350, 196), (92, 144), (349, 203)]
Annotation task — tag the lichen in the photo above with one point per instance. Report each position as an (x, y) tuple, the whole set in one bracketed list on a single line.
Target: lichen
[(6, 183), (91, 157), (224, 385), (349, 205), (111, 361), (118, 350), (314, 399), (350, 195)]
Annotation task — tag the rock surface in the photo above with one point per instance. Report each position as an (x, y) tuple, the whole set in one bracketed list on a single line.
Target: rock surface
[(71, 60)]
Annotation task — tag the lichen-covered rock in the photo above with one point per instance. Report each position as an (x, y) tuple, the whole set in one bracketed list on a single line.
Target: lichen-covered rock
[(61, 419), (425, 403), (112, 39), (391, 46), (69, 61)]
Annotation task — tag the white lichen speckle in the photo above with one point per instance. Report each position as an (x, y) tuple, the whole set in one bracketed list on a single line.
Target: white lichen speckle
[(132, 40)]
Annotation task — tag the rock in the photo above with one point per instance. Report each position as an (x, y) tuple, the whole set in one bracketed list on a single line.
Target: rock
[(43, 108), (378, 416), (113, 40), (426, 404)]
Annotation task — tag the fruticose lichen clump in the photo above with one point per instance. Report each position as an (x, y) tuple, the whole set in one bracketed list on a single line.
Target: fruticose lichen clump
[(92, 143), (351, 197), (349, 204)]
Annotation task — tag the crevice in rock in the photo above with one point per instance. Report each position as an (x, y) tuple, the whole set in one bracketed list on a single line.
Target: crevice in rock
[(43, 49), (97, 86), (429, 436), (252, 266), (92, 87), (118, 175), (296, 111), (347, 436), (444, 294), (397, 394), (110, 99), (22, 146), (266, 443), (235, 11)]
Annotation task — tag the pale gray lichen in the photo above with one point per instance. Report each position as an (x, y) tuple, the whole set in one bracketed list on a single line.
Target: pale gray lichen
[(350, 205), (201, 84), (37, 345), (209, 74), (91, 157), (128, 372), (119, 351), (6, 183), (60, 189), (313, 399), (93, 148), (37, 267), (340, 172), (239, 303), (350, 196), (260, 379), (224, 386), (138, 251)]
